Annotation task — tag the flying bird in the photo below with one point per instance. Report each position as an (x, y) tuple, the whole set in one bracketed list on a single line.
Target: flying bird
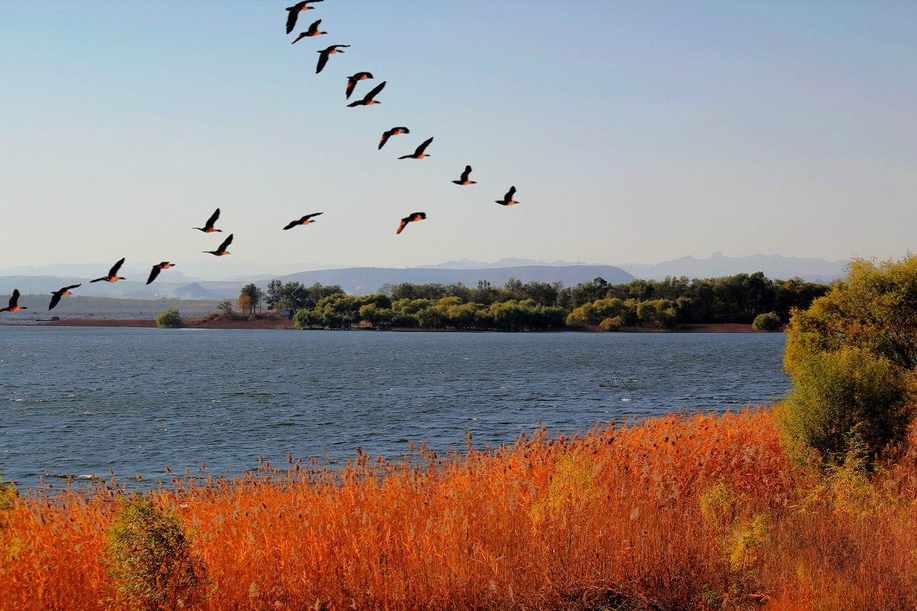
[(14, 303), (392, 132), (312, 31), (302, 221), (508, 198), (464, 180), (293, 12), (208, 226), (419, 153), (324, 53), (368, 98), (158, 268), (56, 295), (356, 78), (112, 273), (221, 251), (412, 217)]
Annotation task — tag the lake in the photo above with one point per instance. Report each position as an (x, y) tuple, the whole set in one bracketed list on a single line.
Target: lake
[(76, 401)]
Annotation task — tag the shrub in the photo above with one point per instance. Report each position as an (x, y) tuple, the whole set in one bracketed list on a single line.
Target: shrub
[(225, 310), (150, 559), (170, 319), (767, 322), (852, 358), (8, 494), (843, 402), (611, 324), (305, 318)]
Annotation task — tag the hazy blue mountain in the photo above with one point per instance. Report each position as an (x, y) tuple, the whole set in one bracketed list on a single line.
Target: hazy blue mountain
[(354, 280), (505, 262), (773, 266)]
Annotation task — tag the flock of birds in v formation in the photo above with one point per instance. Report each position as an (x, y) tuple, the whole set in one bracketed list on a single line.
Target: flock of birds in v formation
[(368, 100)]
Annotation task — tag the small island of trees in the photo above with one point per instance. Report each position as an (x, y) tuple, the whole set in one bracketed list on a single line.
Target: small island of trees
[(534, 306)]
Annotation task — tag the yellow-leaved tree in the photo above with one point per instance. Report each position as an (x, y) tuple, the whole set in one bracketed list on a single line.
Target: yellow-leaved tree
[(852, 359)]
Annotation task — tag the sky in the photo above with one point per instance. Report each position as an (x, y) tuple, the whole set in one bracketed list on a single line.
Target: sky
[(634, 131)]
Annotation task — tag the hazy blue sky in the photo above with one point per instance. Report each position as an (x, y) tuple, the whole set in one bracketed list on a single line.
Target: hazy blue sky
[(634, 131)]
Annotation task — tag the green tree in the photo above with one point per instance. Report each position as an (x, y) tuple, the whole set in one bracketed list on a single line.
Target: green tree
[(273, 295), (170, 319), (225, 309), (767, 322), (254, 296), (303, 319), (852, 359)]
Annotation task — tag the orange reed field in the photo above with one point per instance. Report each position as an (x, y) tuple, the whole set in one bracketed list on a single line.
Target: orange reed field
[(679, 512)]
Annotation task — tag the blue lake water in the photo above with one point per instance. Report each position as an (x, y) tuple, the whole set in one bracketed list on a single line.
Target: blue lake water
[(76, 401)]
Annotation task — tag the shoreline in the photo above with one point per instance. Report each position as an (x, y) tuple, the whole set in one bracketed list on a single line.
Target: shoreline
[(287, 325)]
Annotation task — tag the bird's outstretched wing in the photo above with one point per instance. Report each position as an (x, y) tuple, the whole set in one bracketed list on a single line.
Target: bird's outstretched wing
[(55, 299), (375, 91), (291, 225), (313, 29), (466, 173), (322, 60), (213, 219), (114, 270), (225, 243), (510, 193), (384, 139), (310, 216), (292, 16), (351, 85), (154, 273), (404, 223), (14, 298), (423, 146)]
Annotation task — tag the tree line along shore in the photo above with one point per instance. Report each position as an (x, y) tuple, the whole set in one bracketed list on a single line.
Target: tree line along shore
[(741, 302)]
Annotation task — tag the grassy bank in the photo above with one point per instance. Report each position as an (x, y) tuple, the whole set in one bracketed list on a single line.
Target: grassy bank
[(698, 512)]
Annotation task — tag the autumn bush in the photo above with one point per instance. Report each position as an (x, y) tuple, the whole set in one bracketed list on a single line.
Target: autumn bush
[(852, 359), (680, 512)]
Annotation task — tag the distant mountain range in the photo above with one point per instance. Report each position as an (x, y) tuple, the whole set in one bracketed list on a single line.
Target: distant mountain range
[(354, 280), (717, 264), (363, 280)]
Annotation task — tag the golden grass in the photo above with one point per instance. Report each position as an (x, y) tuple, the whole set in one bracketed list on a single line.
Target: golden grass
[(680, 512)]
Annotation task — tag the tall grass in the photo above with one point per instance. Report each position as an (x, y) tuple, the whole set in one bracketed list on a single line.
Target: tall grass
[(696, 512)]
